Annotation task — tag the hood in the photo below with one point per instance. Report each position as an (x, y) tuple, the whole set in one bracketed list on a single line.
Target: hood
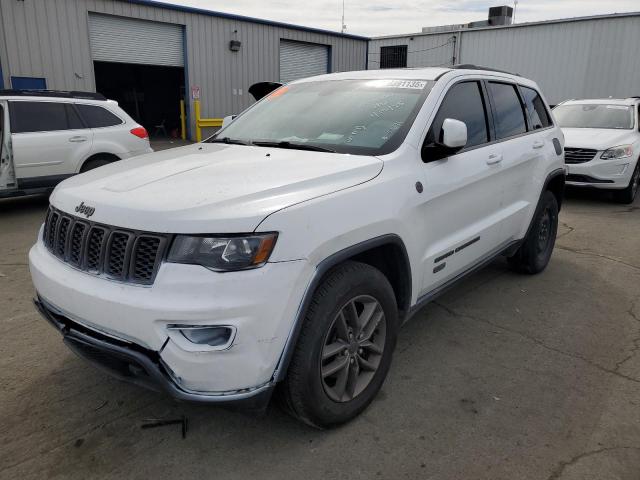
[(208, 188), (596, 138)]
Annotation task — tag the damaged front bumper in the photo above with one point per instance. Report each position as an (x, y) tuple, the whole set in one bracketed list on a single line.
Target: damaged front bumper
[(138, 365)]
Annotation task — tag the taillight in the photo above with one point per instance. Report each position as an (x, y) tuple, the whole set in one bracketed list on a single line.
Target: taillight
[(140, 132)]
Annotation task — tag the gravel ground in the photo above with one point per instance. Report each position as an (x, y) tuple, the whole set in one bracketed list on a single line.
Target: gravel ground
[(504, 377)]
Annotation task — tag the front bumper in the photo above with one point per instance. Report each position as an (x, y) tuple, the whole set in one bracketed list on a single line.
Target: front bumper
[(260, 304), (137, 365), (598, 173)]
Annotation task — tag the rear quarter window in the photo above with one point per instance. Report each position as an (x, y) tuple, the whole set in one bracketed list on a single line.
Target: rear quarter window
[(28, 117), (97, 117), (537, 110)]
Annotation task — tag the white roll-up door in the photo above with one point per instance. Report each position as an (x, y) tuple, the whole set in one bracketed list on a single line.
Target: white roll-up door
[(300, 60), (129, 40)]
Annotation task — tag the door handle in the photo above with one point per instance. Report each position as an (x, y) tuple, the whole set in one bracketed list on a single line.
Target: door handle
[(538, 144), (78, 139), (494, 158)]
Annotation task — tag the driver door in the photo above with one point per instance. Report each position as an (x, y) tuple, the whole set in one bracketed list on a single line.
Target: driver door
[(7, 173), (462, 192)]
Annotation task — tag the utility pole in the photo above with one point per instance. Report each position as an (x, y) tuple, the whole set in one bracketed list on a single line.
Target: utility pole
[(344, 27), (515, 6)]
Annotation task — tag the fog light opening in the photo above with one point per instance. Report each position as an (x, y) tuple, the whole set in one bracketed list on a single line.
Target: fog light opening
[(217, 336)]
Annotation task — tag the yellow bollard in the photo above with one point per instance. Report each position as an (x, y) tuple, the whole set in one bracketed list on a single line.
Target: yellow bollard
[(196, 108), (183, 121)]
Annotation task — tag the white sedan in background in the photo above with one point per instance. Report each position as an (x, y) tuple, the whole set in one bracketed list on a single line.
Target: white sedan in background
[(602, 144)]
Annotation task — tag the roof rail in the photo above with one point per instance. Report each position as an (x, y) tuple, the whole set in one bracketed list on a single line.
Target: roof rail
[(469, 66), (53, 93)]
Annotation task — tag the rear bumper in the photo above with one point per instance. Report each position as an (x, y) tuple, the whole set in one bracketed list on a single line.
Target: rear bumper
[(138, 365)]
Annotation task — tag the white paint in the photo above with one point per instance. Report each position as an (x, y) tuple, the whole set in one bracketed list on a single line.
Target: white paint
[(319, 203)]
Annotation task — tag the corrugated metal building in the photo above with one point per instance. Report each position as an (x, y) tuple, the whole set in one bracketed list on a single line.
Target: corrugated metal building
[(570, 58), (147, 55)]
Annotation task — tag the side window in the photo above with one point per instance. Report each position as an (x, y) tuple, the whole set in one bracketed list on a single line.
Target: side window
[(465, 102), (97, 117), (510, 119), (27, 117), (537, 110), (74, 119)]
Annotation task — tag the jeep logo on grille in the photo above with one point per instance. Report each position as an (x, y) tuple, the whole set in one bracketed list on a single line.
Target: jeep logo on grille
[(85, 209)]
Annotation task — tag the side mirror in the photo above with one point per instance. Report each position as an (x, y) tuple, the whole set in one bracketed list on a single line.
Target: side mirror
[(454, 134), (453, 138), (227, 120)]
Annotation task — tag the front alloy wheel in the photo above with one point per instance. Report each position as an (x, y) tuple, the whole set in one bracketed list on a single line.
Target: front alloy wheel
[(353, 348), (628, 195), (344, 349)]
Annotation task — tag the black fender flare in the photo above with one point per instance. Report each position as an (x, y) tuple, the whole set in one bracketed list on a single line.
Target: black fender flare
[(558, 172), (321, 269)]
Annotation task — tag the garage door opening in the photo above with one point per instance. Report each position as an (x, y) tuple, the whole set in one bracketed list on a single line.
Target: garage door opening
[(150, 94), (140, 64)]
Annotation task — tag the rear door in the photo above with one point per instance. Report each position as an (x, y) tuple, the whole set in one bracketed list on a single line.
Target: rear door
[(522, 127), (49, 141), (462, 195), (7, 174)]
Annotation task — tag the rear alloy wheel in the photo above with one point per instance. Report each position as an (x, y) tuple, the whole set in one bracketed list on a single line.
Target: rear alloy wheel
[(345, 346), (628, 195)]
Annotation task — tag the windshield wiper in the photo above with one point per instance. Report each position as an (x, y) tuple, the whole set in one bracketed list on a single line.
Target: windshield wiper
[(228, 141), (293, 146)]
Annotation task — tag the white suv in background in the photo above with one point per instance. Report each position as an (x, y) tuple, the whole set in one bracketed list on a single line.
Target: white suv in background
[(602, 144), (47, 136), (288, 249)]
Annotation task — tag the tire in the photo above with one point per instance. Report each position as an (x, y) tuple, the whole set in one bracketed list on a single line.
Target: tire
[(533, 255), (96, 162), (309, 393), (628, 195)]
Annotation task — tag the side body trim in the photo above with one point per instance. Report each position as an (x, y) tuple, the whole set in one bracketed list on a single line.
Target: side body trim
[(46, 181), (483, 262)]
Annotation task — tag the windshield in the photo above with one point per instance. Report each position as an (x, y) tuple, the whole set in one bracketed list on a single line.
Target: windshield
[(594, 116), (366, 117)]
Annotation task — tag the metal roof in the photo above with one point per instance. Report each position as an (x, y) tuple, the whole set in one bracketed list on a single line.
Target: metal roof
[(242, 18), (516, 25)]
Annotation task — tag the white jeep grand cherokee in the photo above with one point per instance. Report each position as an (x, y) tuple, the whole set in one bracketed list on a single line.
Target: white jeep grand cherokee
[(602, 144), (288, 249)]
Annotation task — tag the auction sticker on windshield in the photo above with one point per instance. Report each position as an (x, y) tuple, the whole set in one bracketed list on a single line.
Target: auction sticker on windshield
[(410, 84)]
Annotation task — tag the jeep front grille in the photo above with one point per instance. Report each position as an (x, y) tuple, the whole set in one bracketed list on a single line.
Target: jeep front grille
[(119, 254), (578, 155)]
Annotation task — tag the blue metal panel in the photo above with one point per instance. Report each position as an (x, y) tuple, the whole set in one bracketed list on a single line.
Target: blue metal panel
[(28, 83)]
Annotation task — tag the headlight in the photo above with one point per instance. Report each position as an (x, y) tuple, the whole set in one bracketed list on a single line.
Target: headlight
[(223, 254), (623, 151)]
